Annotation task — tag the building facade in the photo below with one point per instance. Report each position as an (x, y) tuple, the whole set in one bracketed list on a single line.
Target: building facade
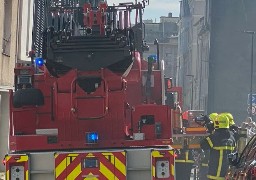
[(165, 32), (231, 57), (15, 40), (193, 53), (215, 55)]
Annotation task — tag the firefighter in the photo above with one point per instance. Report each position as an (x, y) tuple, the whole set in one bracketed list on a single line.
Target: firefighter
[(232, 126), (220, 143), (210, 125), (250, 125), (204, 164), (212, 116)]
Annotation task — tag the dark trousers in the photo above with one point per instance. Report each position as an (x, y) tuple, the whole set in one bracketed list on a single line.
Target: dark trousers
[(183, 170), (203, 172)]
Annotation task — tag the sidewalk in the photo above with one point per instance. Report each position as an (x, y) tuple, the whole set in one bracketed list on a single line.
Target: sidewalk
[(1, 175)]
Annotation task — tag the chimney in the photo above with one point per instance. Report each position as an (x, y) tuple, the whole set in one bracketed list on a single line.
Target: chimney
[(169, 15)]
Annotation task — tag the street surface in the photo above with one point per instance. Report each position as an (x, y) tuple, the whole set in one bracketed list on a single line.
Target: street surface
[(1, 176)]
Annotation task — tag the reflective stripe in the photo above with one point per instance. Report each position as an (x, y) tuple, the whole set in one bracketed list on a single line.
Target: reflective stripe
[(60, 167), (219, 147), (22, 159), (16, 160), (111, 166), (209, 141), (157, 155), (153, 171), (186, 155), (119, 165), (172, 169), (224, 148), (204, 164), (184, 161), (220, 163), (7, 175), (75, 172), (215, 177), (187, 158), (107, 172)]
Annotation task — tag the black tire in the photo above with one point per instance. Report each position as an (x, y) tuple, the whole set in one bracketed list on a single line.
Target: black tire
[(28, 97)]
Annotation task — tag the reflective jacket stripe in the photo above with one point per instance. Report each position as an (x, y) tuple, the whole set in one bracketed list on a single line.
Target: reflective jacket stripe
[(220, 163), (204, 164), (209, 141), (224, 148), (214, 177), (186, 160), (220, 149)]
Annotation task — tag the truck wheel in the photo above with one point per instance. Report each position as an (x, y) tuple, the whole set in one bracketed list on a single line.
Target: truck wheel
[(28, 97)]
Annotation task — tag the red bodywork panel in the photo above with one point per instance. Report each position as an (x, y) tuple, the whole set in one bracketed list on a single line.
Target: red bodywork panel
[(113, 111)]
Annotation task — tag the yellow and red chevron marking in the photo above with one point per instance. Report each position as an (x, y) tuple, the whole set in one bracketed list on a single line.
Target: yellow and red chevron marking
[(166, 155), (16, 160), (110, 166)]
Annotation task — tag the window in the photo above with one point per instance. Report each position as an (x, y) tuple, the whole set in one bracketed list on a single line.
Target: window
[(90, 163)]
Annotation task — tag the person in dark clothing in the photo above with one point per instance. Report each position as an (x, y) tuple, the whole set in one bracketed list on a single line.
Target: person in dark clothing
[(210, 126), (183, 164), (221, 143), (232, 126), (205, 160)]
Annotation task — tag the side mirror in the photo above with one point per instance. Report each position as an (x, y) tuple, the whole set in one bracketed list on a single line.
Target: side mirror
[(233, 159)]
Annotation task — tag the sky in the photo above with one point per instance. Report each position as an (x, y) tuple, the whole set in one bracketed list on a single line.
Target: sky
[(156, 8)]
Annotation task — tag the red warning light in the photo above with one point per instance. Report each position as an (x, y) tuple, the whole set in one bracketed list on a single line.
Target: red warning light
[(4, 161), (169, 83)]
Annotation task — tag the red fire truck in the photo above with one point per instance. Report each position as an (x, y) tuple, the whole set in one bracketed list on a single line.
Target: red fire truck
[(88, 106)]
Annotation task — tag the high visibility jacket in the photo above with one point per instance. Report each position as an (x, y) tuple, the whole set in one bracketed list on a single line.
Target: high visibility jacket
[(220, 143)]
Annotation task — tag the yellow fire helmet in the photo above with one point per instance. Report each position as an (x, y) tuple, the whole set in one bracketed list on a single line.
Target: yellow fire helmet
[(230, 118), (221, 121), (212, 116)]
